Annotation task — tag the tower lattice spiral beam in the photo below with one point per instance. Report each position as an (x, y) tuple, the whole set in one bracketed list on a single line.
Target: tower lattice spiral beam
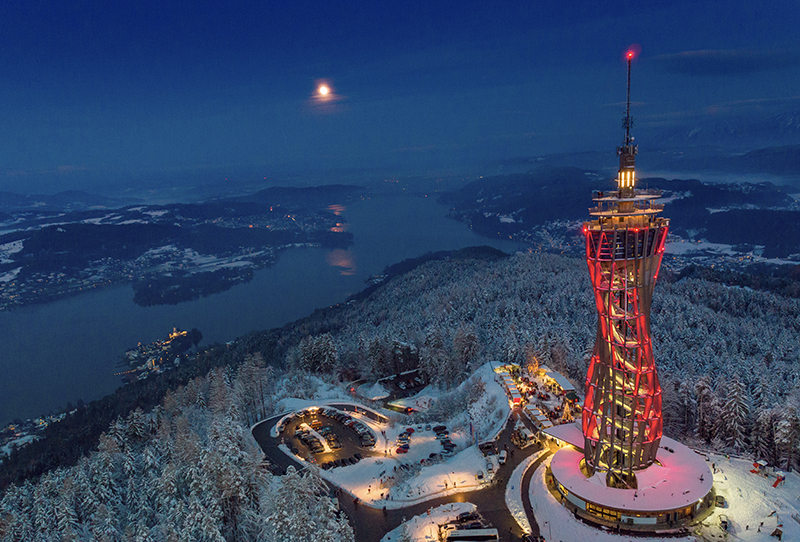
[(621, 420)]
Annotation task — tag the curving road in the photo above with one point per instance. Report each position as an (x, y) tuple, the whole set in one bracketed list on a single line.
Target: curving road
[(371, 524)]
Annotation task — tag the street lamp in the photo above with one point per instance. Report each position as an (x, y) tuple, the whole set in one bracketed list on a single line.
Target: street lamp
[(549, 531)]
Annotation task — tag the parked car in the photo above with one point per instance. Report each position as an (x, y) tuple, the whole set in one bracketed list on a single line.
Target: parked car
[(467, 516), (401, 451), (502, 457)]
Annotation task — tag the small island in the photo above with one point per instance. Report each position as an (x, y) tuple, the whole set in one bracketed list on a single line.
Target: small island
[(159, 356)]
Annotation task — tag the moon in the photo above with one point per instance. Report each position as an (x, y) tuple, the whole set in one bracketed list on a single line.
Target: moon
[(323, 90)]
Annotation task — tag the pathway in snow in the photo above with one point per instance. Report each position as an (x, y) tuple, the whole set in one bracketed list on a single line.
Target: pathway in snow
[(514, 491)]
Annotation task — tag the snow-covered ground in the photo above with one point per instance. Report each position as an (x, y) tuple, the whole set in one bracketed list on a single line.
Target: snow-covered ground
[(691, 247), (490, 412), (426, 526), (10, 275), (370, 478), (751, 499), (22, 441), (457, 474), (697, 248), (190, 260), (372, 392), (7, 249)]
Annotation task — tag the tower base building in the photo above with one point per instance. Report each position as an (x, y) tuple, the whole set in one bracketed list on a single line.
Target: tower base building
[(676, 490)]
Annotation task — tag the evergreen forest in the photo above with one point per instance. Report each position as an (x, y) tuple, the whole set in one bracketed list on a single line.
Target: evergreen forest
[(174, 458)]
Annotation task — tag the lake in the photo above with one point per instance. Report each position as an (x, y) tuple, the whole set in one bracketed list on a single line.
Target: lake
[(69, 349)]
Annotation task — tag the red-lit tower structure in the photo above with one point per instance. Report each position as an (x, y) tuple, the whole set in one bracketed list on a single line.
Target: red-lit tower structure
[(621, 422)]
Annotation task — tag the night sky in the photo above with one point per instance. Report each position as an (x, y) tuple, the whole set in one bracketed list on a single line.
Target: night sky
[(98, 94)]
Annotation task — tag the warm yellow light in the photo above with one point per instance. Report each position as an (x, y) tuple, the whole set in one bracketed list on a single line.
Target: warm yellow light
[(323, 90)]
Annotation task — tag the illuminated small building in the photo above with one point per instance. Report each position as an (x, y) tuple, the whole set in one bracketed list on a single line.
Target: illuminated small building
[(618, 467)]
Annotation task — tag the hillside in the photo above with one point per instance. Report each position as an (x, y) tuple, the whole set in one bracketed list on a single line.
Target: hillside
[(726, 355)]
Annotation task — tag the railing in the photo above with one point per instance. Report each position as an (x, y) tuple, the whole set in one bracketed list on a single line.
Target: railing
[(598, 194), (638, 207)]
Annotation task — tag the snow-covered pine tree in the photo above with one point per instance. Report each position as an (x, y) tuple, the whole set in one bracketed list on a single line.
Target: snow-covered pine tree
[(300, 510), (787, 433), (707, 409), (763, 436), (735, 416)]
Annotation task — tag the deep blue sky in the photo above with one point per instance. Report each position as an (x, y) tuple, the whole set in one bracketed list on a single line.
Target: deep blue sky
[(115, 91)]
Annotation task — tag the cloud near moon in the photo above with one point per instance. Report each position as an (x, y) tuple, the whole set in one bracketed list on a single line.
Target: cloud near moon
[(324, 97)]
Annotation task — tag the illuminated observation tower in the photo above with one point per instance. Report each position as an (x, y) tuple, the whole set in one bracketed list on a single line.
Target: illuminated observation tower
[(622, 424), (616, 467)]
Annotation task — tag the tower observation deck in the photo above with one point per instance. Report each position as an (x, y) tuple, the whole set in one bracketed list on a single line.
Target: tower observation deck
[(621, 420)]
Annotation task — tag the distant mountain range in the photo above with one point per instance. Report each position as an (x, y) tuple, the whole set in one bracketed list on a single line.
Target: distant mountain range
[(76, 200), (781, 162), (513, 206), (732, 132), (70, 200)]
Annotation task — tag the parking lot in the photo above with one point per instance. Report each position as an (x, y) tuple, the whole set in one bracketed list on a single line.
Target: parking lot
[(327, 436), (403, 384)]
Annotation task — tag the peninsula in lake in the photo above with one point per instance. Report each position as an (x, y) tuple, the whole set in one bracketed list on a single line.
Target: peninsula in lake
[(54, 246)]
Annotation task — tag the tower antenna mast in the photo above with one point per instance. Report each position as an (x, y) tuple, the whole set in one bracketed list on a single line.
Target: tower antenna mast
[(628, 103)]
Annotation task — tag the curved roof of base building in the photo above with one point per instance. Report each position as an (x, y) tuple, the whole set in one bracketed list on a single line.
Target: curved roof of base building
[(680, 478)]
